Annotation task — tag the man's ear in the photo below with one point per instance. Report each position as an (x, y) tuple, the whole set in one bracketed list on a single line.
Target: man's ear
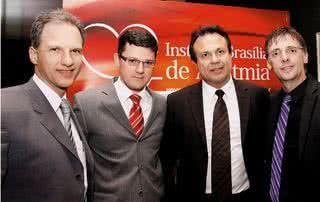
[(269, 65), (305, 58), (116, 59), (33, 55)]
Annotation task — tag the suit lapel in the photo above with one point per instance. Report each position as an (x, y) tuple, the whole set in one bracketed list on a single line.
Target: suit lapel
[(275, 102), (89, 157), (48, 117), (244, 107), (309, 102), (113, 105), (196, 105), (156, 106)]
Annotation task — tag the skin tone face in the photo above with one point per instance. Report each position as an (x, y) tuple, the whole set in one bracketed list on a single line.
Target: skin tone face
[(135, 77), (214, 61), (57, 60), (287, 58)]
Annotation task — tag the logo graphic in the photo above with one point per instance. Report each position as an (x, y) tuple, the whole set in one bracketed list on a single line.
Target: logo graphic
[(116, 35)]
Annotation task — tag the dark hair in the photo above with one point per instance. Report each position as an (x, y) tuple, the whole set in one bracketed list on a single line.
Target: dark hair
[(201, 31), (280, 32), (57, 15), (137, 37)]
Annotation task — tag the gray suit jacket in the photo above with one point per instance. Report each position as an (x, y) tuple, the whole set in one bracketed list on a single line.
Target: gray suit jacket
[(38, 161), (128, 168)]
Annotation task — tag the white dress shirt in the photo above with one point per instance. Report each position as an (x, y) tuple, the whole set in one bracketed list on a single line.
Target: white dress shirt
[(239, 175), (124, 94), (55, 101)]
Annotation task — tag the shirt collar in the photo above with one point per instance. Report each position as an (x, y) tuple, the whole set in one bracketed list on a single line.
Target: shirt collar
[(210, 90), (53, 98), (124, 92)]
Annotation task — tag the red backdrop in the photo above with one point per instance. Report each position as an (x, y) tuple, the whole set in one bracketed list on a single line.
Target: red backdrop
[(173, 23)]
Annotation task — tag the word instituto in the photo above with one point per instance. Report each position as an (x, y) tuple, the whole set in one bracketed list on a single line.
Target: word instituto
[(255, 71)]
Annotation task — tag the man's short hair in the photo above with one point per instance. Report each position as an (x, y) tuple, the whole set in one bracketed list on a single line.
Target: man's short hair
[(281, 32), (201, 31), (57, 15), (138, 37)]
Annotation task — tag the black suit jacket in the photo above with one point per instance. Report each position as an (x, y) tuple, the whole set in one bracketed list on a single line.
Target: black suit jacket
[(38, 161), (308, 144), (184, 152)]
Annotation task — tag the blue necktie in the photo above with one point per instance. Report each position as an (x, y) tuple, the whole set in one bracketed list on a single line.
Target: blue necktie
[(277, 152)]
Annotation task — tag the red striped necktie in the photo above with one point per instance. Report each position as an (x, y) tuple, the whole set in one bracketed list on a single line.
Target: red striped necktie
[(135, 115)]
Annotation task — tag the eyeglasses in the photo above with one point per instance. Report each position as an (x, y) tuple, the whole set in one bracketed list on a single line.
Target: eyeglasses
[(135, 62), (290, 50)]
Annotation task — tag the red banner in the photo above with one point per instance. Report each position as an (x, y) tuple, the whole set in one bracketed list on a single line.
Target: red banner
[(172, 23)]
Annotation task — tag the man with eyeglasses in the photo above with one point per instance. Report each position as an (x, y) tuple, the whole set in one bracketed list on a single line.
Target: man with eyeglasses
[(211, 148), (293, 146), (123, 122)]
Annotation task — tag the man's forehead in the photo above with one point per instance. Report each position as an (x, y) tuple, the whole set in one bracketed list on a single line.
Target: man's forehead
[(287, 39), (210, 41)]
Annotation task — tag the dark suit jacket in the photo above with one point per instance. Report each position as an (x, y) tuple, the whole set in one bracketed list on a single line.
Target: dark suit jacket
[(309, 144), (184, 151), (38, 161)]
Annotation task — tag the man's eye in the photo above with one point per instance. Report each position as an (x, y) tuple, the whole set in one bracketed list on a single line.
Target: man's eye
[(275, 53), (76, 51), (133, 61), (148, 63), (204, 55), (221, 52), (292, 50), (54, 49)]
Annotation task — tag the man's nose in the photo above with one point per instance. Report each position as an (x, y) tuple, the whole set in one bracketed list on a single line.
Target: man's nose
[(66, 59)]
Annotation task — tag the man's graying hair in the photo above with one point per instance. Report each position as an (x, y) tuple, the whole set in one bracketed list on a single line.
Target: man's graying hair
[(281, 32), (57, 15)]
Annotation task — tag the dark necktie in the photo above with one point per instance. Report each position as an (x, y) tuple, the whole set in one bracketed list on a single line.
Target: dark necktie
[(277, 152), (135, 115), (221, 155), (66, 112)]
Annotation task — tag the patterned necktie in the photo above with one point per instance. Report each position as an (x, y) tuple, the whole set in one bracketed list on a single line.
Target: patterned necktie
[(277, 152), (66, 112), (135, 116), (220, 151)]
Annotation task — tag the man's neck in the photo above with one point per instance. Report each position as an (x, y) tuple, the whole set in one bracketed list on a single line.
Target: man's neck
[(288, 86)]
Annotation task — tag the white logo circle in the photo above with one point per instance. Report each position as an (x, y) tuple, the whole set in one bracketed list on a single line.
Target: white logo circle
[(115, 33)]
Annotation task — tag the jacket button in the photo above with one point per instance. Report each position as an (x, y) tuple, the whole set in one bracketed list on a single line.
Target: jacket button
[(78, 177), (140, 193)]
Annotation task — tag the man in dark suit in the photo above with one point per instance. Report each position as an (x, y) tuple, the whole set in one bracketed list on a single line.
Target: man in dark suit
[(44, 155), (293, 149), (123, 122), (207, 157)]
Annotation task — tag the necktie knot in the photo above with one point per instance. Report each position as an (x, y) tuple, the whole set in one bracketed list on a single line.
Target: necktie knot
[(219, 93), (287, 99), (65, 106), (135, 99)]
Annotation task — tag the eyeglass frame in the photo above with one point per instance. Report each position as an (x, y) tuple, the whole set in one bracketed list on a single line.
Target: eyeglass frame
[(145, 64), (288, 50)]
